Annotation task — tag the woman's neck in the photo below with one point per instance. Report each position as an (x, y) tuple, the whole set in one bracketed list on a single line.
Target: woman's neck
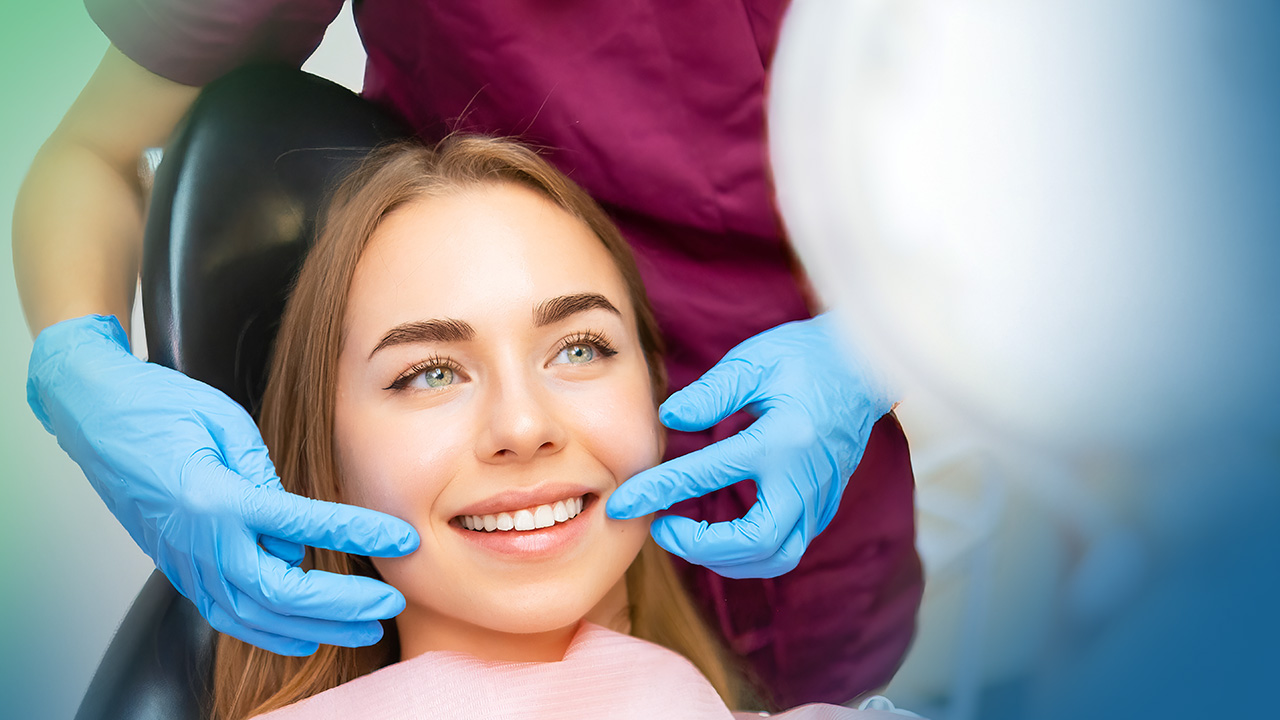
[(423, 630)]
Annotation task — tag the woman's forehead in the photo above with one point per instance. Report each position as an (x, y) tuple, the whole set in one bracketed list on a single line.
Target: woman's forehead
[(486, 252)]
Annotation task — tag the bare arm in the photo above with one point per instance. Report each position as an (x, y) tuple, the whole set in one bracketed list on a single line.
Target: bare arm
[(77, 224)]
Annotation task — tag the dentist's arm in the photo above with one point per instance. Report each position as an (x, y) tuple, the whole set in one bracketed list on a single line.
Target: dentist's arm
[(815, 405), (77, 225), (181, 465)]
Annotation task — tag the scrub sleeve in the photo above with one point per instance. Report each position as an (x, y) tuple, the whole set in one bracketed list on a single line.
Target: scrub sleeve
[(657, 108)]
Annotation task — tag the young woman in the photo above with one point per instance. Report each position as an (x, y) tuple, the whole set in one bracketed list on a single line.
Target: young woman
[(469, 347)]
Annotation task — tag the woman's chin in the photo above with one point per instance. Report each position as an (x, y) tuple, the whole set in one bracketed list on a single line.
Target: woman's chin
[(500, 613), (532, 618), (486, 632), (483, 613), (466, 601), (535, 626)]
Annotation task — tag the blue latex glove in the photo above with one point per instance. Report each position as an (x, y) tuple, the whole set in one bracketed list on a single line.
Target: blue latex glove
[(815, 409), (184, 469)]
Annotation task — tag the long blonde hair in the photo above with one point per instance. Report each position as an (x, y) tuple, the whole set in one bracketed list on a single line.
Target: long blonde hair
[(297, 419)]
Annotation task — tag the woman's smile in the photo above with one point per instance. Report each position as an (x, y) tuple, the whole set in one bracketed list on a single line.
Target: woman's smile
[(543, 531), (528, 523), (525, 519)]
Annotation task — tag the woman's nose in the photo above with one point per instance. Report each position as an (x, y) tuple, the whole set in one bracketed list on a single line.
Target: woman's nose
[(521, 423)]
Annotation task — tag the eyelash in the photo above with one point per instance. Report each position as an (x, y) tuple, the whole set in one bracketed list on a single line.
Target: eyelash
[(434, 361), (593, 338)]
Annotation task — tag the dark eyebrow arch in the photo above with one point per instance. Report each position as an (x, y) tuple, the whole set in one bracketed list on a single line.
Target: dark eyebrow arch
[(556, 309), (425, 331)]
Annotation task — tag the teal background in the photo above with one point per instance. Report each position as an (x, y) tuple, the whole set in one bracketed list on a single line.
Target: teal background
[(69, 571)]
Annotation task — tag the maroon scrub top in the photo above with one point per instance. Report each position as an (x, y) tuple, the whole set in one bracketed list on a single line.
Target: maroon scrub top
[(657, 108)]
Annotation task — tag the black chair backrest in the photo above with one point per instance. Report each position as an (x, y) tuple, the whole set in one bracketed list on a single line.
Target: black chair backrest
[(232, 215)]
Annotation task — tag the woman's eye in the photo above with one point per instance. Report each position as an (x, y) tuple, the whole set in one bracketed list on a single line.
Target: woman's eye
[(577, 354), (425, 376), (436, 377)]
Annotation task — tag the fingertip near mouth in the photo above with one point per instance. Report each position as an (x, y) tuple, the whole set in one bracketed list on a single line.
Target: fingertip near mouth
[(619, 507)]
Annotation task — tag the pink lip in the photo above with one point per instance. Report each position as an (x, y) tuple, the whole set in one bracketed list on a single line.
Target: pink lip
[(512, 500), (533, 544)]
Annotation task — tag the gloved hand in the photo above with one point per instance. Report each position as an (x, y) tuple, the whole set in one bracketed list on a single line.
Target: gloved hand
[(184, 469), (815, 408)]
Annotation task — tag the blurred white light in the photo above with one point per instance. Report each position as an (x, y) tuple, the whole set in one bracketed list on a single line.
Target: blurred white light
[(1005, 198)]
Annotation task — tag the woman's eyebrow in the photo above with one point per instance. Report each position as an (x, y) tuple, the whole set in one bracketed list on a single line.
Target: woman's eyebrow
[(440, 331), (447, 330), (556, 309)]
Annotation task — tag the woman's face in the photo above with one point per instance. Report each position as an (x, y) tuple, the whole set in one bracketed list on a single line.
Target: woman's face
[(491, 382)]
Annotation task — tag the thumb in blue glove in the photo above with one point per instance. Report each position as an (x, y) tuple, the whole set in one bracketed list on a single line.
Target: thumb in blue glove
[(815, 406), (184, 469)]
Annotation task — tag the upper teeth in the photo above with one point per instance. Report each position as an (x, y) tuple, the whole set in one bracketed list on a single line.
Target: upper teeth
[(534, 518)]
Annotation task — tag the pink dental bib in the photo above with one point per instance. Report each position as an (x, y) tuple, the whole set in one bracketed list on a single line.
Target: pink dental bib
[(603, 674)]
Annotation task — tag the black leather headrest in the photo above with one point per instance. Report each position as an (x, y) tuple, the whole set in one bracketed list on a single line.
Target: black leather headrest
[(233, 213)]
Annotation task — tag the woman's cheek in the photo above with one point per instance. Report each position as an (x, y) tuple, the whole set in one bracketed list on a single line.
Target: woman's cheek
[(622, 424), (395, 571), (646, 445), (399, 466)]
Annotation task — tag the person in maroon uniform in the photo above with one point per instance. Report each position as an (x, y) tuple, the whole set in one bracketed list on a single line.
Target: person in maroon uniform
[(657, 108)]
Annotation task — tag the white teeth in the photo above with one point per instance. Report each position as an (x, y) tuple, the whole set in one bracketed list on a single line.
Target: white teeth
[(524, 520), (543, 517), (534, 518)]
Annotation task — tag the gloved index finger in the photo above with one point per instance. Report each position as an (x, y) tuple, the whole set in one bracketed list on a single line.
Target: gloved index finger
[(730, 385), (335, 526), (702, 471)]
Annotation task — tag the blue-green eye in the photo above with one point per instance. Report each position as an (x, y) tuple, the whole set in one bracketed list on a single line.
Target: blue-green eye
[(584, 348), (437, 377), (577, 354), (434, 374)]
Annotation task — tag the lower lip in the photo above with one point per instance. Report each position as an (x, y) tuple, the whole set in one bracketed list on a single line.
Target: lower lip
[(533, 544)]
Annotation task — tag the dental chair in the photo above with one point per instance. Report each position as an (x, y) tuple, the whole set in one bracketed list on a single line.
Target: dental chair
[(232, 214)]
